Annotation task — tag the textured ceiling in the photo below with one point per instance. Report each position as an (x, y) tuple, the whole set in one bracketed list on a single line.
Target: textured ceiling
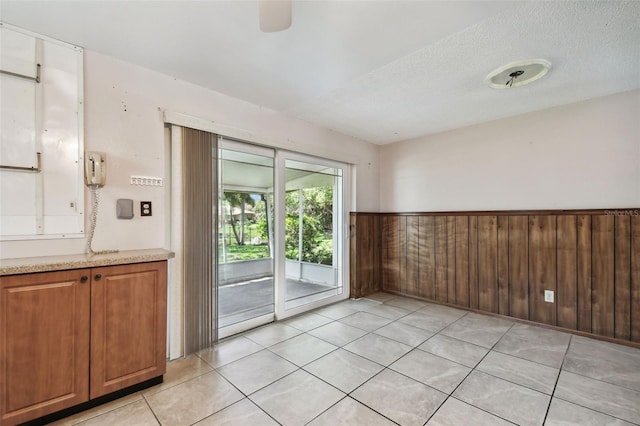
[(382, 71)]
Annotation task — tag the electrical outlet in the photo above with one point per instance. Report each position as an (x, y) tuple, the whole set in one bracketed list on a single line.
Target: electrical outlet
[(145, 208), (548, 296)]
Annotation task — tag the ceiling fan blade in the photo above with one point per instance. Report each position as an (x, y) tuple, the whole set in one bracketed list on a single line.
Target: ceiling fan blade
[(275, 15)]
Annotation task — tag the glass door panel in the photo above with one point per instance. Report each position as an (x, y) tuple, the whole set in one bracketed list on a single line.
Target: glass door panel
[(245, 237), (313, 232), (280, 234)]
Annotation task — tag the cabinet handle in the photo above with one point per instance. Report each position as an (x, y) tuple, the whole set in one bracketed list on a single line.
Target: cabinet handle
[(84, 279), (98, 276)]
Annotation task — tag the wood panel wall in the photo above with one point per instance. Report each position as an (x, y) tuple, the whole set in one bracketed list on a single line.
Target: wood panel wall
[(502, 262), (365, 251)]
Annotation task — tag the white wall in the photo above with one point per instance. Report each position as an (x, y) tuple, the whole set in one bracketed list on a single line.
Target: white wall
[(123, 118), (583, 155)]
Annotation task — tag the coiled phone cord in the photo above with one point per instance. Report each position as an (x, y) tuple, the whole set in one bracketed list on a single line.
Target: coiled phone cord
[(93, 220)]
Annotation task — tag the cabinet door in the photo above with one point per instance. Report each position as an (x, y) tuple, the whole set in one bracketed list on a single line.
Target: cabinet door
[(44, 343), (128, 325)]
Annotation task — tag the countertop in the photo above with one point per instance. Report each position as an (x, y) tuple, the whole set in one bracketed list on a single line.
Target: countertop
[(28, 265)]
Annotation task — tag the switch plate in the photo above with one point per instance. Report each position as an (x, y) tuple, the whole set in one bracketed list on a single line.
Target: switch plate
[(145, 208), (548, 296)]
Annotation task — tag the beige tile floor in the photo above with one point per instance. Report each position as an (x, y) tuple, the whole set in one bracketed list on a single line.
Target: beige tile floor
[(389, 360)]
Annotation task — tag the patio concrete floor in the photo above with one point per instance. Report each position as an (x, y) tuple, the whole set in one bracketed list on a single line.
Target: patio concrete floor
[(242, 301)]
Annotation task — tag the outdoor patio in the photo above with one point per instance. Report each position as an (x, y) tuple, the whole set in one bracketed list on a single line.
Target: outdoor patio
[(249, 299)]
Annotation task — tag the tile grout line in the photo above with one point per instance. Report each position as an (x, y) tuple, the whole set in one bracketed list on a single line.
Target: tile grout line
[(436, 355), (557, 379), (437, 333), (512, 355), (346, 325), (596, 379), (312, 328), (593, 378), (144, 398), (397, 341), (229, 406), (594, 410), (237, 402), (357, 402), (327, 409), (525, 359), (313, 360), (603, 381), (471, 405), (230, 362), (91, 416), (272, 324), (517, 384)]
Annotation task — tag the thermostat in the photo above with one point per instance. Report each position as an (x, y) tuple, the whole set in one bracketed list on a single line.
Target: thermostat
[(124, 208)]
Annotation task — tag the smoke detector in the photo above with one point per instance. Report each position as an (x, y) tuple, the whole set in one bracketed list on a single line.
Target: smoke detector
[(518, 73)]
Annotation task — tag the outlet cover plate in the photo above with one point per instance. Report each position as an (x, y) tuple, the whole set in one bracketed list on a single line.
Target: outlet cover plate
[(145, 208), (548, 296)]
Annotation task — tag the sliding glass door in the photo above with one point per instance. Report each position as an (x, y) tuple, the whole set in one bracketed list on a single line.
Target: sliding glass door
[(313, 231), (281, 234), (245, 236)]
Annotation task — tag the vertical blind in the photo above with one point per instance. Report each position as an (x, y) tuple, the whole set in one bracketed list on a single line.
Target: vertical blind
[(200, 195)]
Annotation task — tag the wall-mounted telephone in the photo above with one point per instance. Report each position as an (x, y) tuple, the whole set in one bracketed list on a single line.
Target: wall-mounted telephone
[(95, 169), (95, 176)]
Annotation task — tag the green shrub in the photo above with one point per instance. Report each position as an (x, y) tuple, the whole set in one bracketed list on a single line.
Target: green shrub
[(316, 248)]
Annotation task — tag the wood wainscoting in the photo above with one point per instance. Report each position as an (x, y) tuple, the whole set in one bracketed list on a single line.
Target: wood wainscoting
[(502, 262)]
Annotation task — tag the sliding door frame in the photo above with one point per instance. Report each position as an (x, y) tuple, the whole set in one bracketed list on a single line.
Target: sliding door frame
[(249, 148), (282, 150), (279, 219)]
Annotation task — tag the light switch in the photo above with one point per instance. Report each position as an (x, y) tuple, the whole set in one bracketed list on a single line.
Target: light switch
[(124, 208)]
